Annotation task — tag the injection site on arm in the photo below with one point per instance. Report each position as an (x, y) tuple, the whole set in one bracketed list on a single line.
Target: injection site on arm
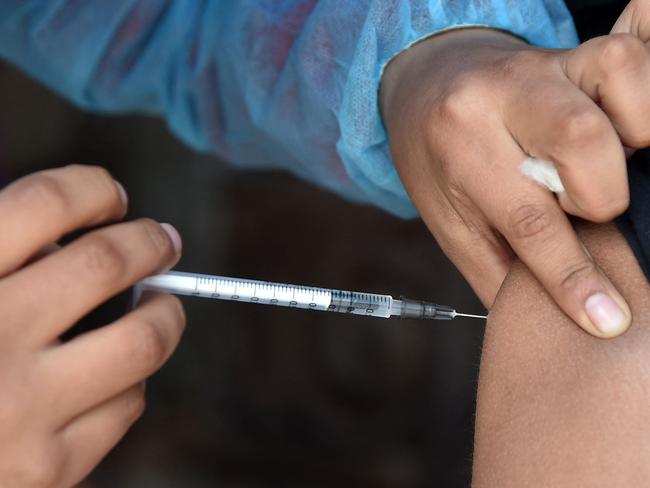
[(556, 406)]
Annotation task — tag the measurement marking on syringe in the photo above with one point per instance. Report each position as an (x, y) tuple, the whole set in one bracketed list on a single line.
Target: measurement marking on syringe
[(196, 287), (215, 292)]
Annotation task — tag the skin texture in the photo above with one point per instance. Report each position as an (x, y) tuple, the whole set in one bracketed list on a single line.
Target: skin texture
[(557, 407), (65, 405), (465, 108)]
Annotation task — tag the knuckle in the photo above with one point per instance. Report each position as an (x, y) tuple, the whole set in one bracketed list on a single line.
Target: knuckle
[(146, 343), (574, 275), (530, 221), (44, 190), (103, 258), (455, 104), (450, 107), (156, 238), (520, 62), (527, 58), (621, 51), (578, 125)]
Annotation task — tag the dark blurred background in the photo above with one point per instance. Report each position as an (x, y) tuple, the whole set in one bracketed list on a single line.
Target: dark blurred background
[(261, 397)]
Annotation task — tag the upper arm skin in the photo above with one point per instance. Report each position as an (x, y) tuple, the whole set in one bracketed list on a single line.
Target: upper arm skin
[(557, 407)]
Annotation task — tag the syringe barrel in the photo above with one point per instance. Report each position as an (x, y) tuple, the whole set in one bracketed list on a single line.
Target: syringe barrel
[(359, 303), (267, 293)]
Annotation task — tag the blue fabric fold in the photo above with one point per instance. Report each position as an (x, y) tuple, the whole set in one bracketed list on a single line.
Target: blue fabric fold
[(282, 83)]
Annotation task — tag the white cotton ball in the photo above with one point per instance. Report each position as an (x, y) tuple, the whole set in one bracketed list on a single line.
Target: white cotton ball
[(542, 172)]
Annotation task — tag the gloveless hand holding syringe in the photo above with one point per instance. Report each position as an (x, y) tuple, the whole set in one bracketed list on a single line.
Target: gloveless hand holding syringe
[(304, 297)]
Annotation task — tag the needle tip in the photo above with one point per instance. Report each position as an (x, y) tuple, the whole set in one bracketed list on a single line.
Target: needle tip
[(457, 314)]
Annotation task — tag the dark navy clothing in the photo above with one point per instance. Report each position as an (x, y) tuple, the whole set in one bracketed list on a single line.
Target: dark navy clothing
[(635, 223), (594, 18)]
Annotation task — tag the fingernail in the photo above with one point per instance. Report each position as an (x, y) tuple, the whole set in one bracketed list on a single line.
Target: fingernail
[(605, 314), (174, 236), (122, 191)]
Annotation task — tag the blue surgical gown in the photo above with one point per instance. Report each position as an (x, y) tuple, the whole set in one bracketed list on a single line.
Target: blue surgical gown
[(281, 83)]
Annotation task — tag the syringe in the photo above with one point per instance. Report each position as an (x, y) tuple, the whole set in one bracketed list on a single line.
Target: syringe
[(305, 297)]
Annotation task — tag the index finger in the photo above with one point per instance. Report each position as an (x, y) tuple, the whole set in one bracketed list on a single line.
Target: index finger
[(43, 300), (543, 238), (40, 208), (570, 130)]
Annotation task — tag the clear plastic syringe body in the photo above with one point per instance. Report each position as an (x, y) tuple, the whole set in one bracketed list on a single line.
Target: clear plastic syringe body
[(295, 296)]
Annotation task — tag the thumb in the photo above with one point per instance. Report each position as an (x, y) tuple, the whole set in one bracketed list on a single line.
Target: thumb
[(634, 20)]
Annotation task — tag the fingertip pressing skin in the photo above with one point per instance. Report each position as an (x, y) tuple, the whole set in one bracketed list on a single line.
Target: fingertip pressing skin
[(603, 316), (610, 318)]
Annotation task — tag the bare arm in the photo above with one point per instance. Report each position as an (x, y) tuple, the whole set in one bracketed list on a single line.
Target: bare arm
[(557, 407)]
